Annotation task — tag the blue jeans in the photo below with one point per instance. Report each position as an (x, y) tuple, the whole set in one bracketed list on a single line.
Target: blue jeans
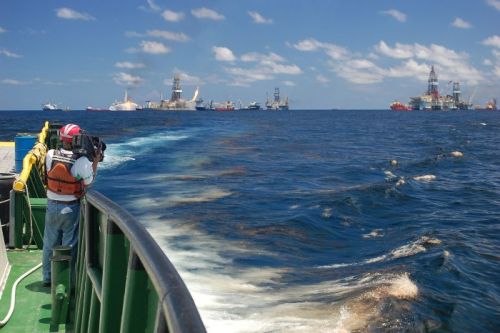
[(61, 228)]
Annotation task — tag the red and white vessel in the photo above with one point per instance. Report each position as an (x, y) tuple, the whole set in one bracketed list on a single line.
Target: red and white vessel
[(398, 106), (227, 106)]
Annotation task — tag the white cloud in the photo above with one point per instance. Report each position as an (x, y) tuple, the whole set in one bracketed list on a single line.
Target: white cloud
[(205, 13), (322, 79), (52, 83), (172, 16), (435, 53), (245, 76), (401, 17), (129, 65), (400, 51), (496, 71), (487, 62), (452, 65), (460, 23), (255, 56), (271, 63), (223, 53), (9, 54), (168, 35), (2, 30), (152, 6), (494, 3), (360, 71), (36, 81), (186, 79), (70, 14), (356, 68), (12, 82), (492, 41), (154, 47), (125, 79), (39, 81), (259, 19), (334, 51), (281, 69), (344, 63), (289, 83), (410, 68), (308, 45), (266, 67)]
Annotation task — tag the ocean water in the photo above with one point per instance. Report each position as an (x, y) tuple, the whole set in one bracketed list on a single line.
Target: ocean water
[(313, 221)]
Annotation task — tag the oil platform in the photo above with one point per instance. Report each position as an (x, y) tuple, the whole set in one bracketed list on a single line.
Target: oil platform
[(432, 100), (175, 102), (277, 103)]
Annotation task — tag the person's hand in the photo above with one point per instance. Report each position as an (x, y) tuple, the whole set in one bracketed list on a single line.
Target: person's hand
[(98, 155)]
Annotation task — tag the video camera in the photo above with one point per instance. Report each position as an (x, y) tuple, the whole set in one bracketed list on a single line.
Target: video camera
[(87, 145)]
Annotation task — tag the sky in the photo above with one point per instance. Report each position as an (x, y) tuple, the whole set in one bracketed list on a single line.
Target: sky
[(321, 54)]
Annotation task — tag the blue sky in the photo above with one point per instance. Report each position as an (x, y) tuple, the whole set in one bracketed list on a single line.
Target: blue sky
[(321, 54)]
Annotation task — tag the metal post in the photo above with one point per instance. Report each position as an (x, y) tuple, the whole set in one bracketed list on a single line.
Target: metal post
[(12, 217), (60, 266), (113, 279), (80, 276), (140, 300), (61, 250), (80, 290), (160, 321), (20, 204), (94, 313), (85, 306)]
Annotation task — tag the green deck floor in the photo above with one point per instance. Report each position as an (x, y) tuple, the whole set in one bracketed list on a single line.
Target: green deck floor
[(33, 301)]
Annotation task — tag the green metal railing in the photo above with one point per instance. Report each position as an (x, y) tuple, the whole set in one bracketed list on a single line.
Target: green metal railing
[(29, 197), (123, 281)]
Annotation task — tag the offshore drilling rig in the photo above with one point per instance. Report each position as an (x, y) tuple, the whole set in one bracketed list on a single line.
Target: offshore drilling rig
[(277, 103), (432, 100)]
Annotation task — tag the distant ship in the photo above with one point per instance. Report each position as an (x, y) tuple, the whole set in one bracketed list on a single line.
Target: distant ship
[(201, 106), (253, 106), (490, 106), (398, 106), (433, 100), (126, 105), (91, 108), (277, 103), (226, 106), (51, 107), (176, 103)]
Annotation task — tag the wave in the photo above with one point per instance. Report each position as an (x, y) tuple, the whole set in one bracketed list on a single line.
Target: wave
[(425, 178), (367, 310), (198, 195), (407, 250), (117, 154), (234, 298)]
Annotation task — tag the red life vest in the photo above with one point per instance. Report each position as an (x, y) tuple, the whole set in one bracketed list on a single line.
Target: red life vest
[(59, 177)]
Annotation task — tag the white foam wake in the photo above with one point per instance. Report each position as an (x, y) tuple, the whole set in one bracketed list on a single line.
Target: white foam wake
[(406, 250), (231, 298), (425, 178), (119, 153)]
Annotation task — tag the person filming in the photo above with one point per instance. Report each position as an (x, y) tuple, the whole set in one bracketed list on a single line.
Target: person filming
[(68, 174)]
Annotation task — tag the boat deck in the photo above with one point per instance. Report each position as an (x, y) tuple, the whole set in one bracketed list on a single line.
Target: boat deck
[(7, 157), (33, 300)]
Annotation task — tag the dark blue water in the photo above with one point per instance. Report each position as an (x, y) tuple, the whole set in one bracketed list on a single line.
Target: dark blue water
[(299, 222)]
